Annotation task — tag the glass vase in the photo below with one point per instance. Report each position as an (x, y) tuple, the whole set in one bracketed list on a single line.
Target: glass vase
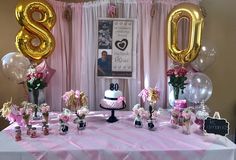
[(138, 122), (176, 92), (81, 124), (36, 96), (64, 128)]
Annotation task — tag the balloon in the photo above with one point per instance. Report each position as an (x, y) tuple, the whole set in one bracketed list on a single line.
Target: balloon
[(15, 66), (199, 88), (47, 71), (35, 28), (205, 58), (194, 15)]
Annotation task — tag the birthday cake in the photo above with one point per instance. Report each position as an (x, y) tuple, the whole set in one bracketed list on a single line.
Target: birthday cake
[(113, 98)]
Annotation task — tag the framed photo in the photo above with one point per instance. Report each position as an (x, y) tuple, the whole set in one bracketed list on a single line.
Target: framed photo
[(115, 48)]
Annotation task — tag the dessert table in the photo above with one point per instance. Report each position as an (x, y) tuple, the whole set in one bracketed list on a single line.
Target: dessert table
[(115, 141)]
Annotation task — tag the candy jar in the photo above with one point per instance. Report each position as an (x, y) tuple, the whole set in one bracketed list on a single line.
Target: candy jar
[(29, 126), (138, 122), (174, 121), (46, 130), (201, 114), (33, 133), (187, 120), (18, 133), (44, 124)]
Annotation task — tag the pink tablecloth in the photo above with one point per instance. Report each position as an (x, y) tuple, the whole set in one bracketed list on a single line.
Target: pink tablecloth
[(115, 141)]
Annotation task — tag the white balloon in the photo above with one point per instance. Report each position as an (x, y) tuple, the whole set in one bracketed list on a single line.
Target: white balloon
[(205, 58), (14, 66), (199, 88)]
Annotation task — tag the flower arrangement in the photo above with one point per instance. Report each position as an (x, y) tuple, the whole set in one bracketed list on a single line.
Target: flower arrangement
[(11, 112), (64, 118), (177, 79), (139, 111), (82, 112), (35, 79), (45, 108), (151, 95), (72, 99), (187, 115), (26, 110), (175, 113)]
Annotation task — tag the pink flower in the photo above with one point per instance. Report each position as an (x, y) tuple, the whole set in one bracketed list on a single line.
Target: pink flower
[(143, 94), (29, 111), (121, 99), (143, 113), (175, 112), (155, 115), (77, 94), (171, 72), (135, 111), (45, 109), (181, 71), (64, 118), (22, 111), (29, 77), (39, 75)]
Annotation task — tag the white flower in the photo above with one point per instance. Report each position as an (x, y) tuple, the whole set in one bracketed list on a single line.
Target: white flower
[(136, 107), (83, 111)]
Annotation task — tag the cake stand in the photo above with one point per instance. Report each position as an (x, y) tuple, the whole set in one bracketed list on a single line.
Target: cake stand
[(113, 118)]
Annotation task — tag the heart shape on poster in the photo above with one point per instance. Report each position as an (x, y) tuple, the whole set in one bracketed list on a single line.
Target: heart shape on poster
[(121, 45)]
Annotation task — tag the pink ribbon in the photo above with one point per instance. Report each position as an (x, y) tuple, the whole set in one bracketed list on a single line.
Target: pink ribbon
[(121, 99), (143, 94)]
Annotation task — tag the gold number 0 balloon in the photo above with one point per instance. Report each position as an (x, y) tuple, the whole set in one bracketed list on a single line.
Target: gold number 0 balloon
[(35, 29), (195, 17)]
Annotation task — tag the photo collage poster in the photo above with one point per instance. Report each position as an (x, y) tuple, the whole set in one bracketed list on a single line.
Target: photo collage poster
[(115, 48)]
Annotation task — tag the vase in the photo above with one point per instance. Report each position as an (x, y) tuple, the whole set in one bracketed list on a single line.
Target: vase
[(26, 121), (151, 125), (64, 127), (46, 117), (81, 123), (176, 93), (36, 96), (138, 122)]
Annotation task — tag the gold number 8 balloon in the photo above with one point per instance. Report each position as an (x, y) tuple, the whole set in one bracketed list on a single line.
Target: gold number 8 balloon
[(34, 28), (194, 15)]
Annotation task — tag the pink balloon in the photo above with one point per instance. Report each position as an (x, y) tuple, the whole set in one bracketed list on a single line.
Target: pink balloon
[(47, 71)]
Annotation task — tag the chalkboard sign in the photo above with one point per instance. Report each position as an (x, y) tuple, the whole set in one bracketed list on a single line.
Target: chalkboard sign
[(216, 126)]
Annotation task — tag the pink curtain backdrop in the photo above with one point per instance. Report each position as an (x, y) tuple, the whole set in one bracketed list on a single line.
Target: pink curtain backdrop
[(59, 60), (75, 55)]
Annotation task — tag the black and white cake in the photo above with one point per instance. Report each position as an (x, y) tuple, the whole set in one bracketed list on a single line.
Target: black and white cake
[(113, 98)]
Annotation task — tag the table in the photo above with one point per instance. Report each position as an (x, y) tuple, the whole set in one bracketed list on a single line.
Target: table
[(115, 141)]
